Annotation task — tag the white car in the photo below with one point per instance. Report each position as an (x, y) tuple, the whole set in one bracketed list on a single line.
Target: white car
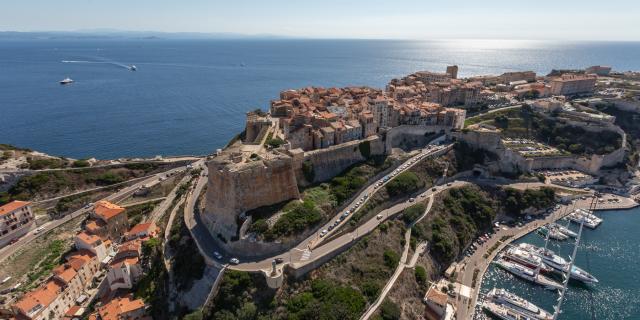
[(40, 229), (234, 261), (379, 217), (217, 255)]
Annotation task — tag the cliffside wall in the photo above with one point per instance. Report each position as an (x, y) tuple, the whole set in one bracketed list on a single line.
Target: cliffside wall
[(234, 188)]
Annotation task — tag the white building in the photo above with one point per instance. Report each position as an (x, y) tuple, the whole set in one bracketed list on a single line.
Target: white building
[(16, 219)]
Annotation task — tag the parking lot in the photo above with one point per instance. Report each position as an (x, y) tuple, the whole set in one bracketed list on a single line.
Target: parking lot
[(530, 148), (569, 178)]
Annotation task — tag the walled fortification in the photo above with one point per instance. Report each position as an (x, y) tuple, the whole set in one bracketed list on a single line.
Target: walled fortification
[(234, 188)]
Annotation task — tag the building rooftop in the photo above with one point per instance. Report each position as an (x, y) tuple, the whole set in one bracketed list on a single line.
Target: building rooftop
[(118, 307), (11, 206), (142, 227), (107, 210), (38, 299), (88, 238)]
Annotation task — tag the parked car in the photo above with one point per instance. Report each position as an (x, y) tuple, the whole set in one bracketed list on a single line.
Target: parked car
[(217, 255), (40, 229), (279, 260), (379, 217), (234, 261)]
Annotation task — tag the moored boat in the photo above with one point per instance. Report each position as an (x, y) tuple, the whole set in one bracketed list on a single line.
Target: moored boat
[(517, 304), (527, 274)]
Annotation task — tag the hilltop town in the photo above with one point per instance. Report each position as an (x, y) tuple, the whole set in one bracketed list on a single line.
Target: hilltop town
[(360, 201)]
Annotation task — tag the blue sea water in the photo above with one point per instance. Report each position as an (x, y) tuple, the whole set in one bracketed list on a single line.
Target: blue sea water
[(611, 253), (190, 96)]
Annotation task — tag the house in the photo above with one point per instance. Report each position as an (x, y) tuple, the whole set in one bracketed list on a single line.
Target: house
[(108, 220), (91, 242), (124, 308), (438, 306), (61, 291), (143, 231), (125, 268), (16, 219)]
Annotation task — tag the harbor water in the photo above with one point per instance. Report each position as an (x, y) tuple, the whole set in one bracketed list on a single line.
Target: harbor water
[(611, 253)]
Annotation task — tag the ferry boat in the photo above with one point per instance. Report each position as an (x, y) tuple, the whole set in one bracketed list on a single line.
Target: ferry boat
[(527, 274), (517, 304), (558, 263), (562, 229), (553, 233), (66, 80), (526, 259)]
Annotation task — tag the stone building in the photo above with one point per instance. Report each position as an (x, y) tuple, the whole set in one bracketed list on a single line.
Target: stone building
[(570, 84), (108, 220)]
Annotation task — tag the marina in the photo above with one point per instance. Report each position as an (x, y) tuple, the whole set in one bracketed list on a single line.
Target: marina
[(605, 260)]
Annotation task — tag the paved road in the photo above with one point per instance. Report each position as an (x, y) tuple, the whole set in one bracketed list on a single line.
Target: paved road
[(317, 240), (119, 195), (301, 255)]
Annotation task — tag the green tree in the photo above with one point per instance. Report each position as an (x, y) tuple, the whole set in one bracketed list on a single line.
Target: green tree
[(421, 275), (403, 183)]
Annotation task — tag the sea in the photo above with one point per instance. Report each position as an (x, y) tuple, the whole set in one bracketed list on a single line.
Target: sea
[(189, 97), (611, 253)]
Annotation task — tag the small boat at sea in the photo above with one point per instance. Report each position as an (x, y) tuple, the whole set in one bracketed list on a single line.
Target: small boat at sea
[(516, 305), (558, 263), (527, 274), (66, 80), (133, 68)]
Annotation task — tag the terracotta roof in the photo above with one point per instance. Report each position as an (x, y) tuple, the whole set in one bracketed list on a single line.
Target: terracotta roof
[(118, 307), (92, 226), (72, 312), (130, 261), (42, 296), (11, 206), (88, 238), (143, 227), (107, 210), (437, 296), (65, 272)]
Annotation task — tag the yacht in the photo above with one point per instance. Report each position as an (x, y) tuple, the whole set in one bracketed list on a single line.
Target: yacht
[(526, 259), (564, 230), (558, 263), (527, 274), (553, 233), (517, 304), (588, 219), (502, 312), (66, 80)]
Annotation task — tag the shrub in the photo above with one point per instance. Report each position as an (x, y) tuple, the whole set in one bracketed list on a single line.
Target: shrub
[(391, 259), (412, 213), (390, 310), (421, 275), (370, 289), (403, 183), (108, 178), (298, 219), (81, 163), (260, 226), (274, 142)]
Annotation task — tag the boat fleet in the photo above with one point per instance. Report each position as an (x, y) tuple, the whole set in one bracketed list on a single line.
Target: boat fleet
[(529, 262)]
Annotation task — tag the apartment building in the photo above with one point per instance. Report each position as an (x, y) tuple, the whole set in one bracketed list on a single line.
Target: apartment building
[(108, 220), (16, 219), (123, 308), (570, 84)]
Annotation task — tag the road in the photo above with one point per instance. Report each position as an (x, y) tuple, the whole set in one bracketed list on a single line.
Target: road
[(364, 196), (304, 252), (51, 225), (301, 255)]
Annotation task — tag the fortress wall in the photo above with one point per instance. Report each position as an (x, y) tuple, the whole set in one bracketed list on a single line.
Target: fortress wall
[(329, 162), (234, 189), (411, 136)]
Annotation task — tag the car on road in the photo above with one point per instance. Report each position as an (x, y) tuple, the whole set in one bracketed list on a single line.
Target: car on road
[(379, 217), (434, 189), (412, 199), (279, 260), (14, 241), (323, 233), (423, 195), (234, 261), (217, 255), (449, 184), (40, 229)]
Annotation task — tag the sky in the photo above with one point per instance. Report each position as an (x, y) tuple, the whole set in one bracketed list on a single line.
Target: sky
[(390, 19)]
